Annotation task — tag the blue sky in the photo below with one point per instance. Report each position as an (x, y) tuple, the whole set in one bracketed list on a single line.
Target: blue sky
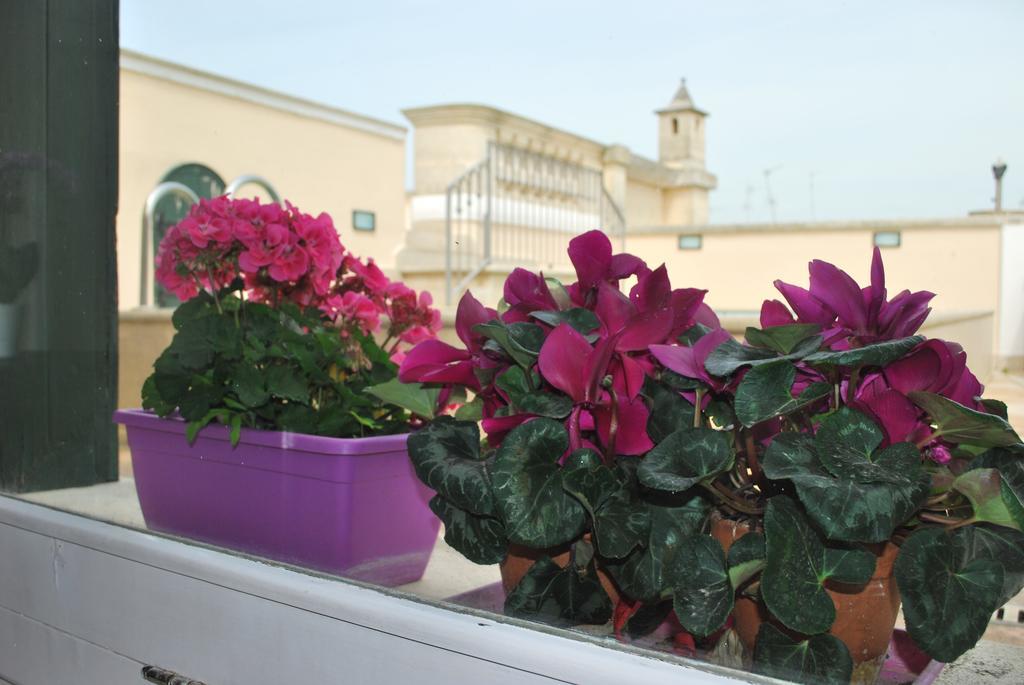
[(889, 109)]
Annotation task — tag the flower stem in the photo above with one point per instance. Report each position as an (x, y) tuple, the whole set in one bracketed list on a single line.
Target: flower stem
[(698, 400), (950, 522), (752, 460)]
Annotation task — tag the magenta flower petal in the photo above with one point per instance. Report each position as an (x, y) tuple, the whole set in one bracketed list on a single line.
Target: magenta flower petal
[(629, 377), (434, 361), (591, 255), (686, 304), (497, 427), (528, 290), (470, 313), (834, 287), (808, 309), (774, 313), (646, 328), (652, 290), (630, 418), (613, 308), (922, 369), (624, 265), (897, 415), (564, 361), (706, 317)]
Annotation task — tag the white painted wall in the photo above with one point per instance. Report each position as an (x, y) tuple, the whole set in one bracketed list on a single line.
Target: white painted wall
[(1011, 296)]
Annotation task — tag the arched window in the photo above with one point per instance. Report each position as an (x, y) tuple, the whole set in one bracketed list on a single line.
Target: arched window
[(675, 125), (204, 182)]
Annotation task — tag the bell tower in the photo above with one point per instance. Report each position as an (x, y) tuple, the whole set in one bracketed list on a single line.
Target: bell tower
[(681, 132)]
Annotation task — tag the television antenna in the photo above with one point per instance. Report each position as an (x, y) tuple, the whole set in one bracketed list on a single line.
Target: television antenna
[(769, 197)]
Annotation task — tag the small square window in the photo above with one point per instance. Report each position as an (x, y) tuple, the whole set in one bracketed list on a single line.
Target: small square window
[(887, 239), (364, 221), (690, 242)]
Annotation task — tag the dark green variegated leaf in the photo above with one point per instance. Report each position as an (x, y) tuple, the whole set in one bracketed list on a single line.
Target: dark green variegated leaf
[(446, 457), (746, 558), (818, 660), (782, 339), (1010, 464), (1003, 545), (868, 499), (766, 392), (959, 424), (791, 455), (704, 599), (686, 458), (528, 486), (513, 382), (670, 411), (583, 320), (984, 489), (545, 404), (949, 591), (877, 354), (647, 618), (997, 408), (654, 569), (849, 565), (247, 383), (481, 539), (586, 478), (621, 524), (846, 441), (731, 355), (863, 512), (520, 341), (415, 397), (561, 596), (721, 414), (680, 383), (693, 334), (791, 583)]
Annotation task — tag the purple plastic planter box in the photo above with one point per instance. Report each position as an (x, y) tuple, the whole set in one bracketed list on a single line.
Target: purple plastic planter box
[(351, 507)]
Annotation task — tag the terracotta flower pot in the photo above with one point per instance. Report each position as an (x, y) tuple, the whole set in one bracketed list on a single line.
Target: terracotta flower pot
[(520, 559), (865, 615)]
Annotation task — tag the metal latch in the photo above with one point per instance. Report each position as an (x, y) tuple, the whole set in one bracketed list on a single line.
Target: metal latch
[(153, 674)]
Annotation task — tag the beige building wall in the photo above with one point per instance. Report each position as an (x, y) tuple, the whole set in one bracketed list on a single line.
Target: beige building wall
[(319, 158), (958, 259)]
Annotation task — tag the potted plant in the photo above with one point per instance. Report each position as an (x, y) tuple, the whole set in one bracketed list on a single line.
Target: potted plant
[(273, 422), (795, 487)]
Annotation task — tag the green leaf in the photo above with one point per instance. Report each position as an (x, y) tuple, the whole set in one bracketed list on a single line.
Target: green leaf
[(984, 489), (528, 486), (693, 334), (949, 590), (621, 523), (782, 339), (720, 413), (556, 595), (587, 479), (818, 660), (481, 539), (201, 397), (152, 399), (446, 457), (471, 411), (1010, 464), (997, 408), (647, 618), (731, 355), (746, 558), (791, 584), (849, 565), (704, 600), (248, 385), (283, 382), (766, 392), (959, 424), (583, 320), (877, 354), (520, 341), (868, 495), (545, 404), (653, 568), (236, 429), (670, 411), (415, 397), (514, 383), (685, 458)]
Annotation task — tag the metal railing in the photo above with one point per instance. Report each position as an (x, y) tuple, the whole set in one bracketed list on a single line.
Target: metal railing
[(520, 208)]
